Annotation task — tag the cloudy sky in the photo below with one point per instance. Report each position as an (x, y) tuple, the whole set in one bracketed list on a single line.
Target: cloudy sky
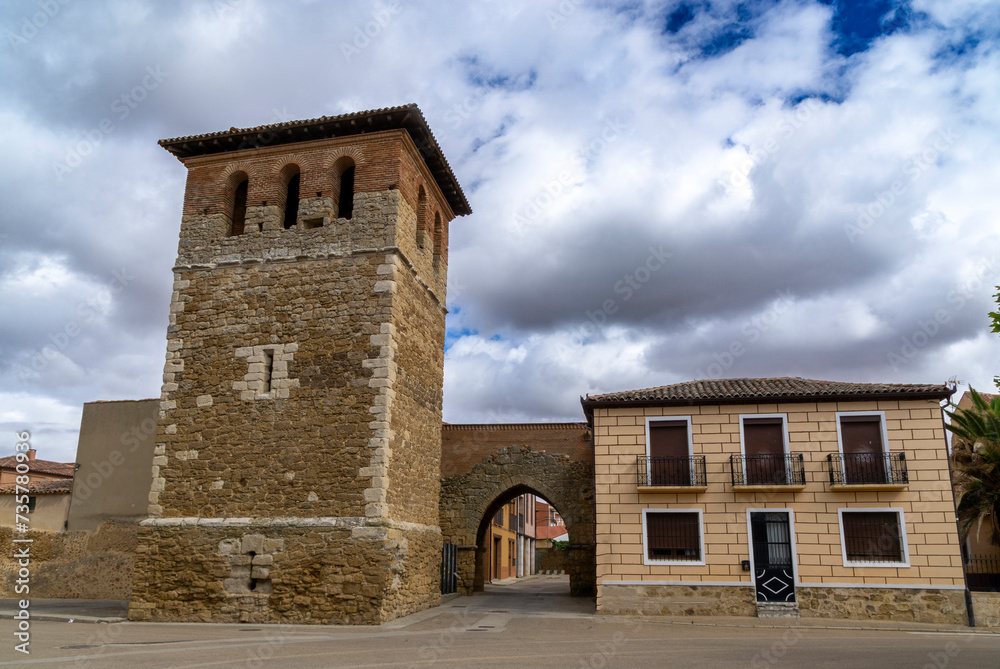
[(663, 191)]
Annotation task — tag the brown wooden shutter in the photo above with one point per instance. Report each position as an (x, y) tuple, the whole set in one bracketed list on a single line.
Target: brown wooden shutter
[(861, 434), (668, 439), (763, 436)]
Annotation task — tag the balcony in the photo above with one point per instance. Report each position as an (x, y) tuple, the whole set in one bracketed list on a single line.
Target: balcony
[(868, 471), (778, 473), (671, 474)]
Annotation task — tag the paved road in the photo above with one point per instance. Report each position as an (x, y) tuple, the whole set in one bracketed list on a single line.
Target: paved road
[(532, 623)]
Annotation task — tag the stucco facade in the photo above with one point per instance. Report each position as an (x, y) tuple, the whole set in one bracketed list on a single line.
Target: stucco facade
[(910, 571)]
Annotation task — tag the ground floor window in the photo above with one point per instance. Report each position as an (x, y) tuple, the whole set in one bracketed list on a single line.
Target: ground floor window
[(873, 537), (672, 536)]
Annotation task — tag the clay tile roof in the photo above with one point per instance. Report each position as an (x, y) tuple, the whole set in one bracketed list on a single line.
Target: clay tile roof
[(406, 117), (67, 469), (43, 487), (730, 391)]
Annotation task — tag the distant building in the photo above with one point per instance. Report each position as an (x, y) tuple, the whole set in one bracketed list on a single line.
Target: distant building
[(511, 539), (549, 524), (976, 543), (47, 493), (40, 470)]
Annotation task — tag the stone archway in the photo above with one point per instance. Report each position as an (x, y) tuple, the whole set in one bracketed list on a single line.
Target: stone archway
[(469, 500)]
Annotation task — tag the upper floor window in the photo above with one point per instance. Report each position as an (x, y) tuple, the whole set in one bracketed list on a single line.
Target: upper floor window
[(290, 178), (863, 447), (438, 235), (292, 201), (764, 444), (345, 191), (421, 216), (238, 215), (668, 451)]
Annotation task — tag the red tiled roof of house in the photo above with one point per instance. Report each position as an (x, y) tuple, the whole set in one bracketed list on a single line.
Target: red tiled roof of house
[(43, 487), (66, 469), (776, 389)]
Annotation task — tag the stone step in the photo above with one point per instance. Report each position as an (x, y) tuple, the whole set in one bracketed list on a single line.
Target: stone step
[(777, 610)]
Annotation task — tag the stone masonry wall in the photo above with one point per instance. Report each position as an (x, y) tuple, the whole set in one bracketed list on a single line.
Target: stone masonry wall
[(677, 600), (296, 468), (415, 470), (986, 606), (328, 571), (946, 607), (82, 564), (465, 446), (387, 164), (304, 451)]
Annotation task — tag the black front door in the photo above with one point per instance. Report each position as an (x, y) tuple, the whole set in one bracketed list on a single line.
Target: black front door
[(771, 543)]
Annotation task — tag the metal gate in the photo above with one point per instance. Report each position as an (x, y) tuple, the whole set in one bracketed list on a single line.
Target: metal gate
[(449, 569), (771, 540)]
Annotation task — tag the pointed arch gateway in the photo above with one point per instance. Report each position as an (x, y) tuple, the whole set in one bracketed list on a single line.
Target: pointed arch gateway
[(470, 499)]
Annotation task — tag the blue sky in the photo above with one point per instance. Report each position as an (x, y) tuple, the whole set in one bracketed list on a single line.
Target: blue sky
[(662, 191)]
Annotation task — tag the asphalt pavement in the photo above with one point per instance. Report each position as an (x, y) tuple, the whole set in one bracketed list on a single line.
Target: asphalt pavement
[(531, 622)]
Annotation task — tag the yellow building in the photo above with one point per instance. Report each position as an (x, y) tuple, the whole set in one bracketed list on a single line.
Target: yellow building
[(776, 497), (503, 543)]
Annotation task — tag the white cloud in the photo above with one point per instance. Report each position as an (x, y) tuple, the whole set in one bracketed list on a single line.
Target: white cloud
[(586, 146)]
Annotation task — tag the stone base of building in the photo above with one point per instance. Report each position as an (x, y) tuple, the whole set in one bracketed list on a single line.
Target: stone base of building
[(82, 564), (677, 600), (308, 570), (986, 606), (899, 604)]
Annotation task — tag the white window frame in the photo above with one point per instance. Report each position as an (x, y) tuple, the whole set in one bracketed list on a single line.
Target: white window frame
[(646, 560), (791, 532), (784, 438), (885, 440), (901, 519), (690, 440)]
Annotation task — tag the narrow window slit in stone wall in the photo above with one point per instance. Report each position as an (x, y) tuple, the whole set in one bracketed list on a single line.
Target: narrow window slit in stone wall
[(253, 581), (268, 366)]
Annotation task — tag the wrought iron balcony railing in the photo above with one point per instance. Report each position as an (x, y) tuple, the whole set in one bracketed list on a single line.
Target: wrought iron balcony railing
[(671, 471), (868, 468), (768, 469)]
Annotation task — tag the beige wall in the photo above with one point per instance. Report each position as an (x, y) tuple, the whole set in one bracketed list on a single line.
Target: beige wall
[(115, 453), (913, 427), (49, 514)]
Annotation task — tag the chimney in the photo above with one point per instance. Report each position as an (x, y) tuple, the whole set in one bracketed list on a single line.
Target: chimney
[(31, 454)]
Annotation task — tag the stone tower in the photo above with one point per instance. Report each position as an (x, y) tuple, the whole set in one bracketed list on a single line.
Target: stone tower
[(297, 468)]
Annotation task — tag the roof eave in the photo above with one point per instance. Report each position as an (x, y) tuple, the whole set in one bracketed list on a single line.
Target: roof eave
[(406, 117), (592, 403)]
